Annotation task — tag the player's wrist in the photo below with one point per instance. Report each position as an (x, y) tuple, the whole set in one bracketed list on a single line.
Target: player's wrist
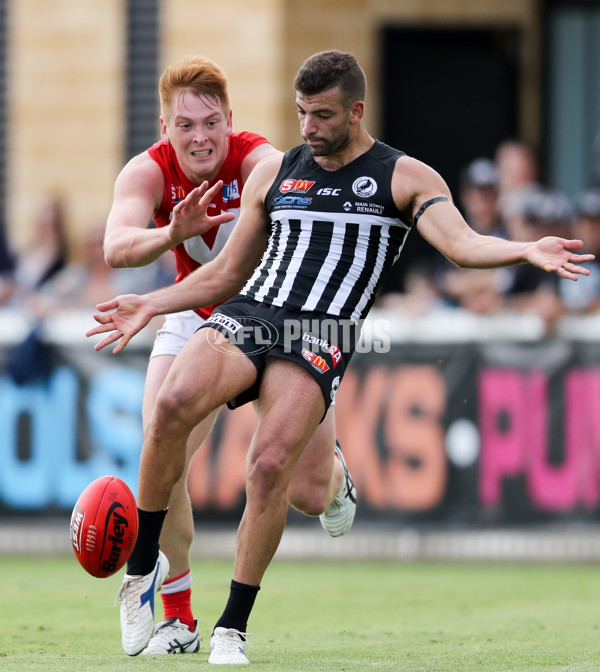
[(159, 302), (529, 252), (172, 235)]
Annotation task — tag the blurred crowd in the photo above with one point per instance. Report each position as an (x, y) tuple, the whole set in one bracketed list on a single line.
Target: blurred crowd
[(55, 272), (500, 195), (504, 196)]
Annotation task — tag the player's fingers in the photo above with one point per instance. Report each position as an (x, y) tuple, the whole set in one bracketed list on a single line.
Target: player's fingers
[(209, 194), (575, 268), (195, 193), (121, 344), (572, 244), (193, 197), (107, 305), (103, 318), (107, 340), (100, 329), (572, 271), (200, 190), (223, 218)]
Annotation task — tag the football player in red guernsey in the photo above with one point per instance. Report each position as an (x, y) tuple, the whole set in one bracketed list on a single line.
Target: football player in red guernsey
[(198, 167)]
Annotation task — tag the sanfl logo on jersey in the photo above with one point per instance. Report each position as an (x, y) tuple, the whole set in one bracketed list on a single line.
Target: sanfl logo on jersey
[(364, 187)]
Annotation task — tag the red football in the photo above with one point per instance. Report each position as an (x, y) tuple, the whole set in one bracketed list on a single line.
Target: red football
[(104, 526)]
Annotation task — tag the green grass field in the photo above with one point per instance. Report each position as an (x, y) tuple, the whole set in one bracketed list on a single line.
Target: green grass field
[(313, 616)]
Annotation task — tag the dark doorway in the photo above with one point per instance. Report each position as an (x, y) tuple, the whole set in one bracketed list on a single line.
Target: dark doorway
[(449, 95)]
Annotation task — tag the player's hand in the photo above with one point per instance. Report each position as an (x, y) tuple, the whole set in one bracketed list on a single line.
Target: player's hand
[(190, 216), (555, 255), (129, 315)]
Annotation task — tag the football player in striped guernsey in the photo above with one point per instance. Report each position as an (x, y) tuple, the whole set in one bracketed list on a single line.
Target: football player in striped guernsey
[(199, 163), (319, 229)]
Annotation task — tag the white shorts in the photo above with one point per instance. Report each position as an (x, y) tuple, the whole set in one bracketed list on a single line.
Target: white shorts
[(176, 332)]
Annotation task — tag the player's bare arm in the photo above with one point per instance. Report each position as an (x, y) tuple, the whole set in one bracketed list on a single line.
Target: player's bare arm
[(137, 193), (259, 153), (137, 196), (211, 283), (417, 188)]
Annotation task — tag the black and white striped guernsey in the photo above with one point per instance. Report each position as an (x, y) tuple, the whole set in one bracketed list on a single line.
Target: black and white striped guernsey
[(334, 234)]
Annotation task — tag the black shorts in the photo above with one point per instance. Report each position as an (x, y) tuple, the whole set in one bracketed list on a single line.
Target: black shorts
[(321, 344)]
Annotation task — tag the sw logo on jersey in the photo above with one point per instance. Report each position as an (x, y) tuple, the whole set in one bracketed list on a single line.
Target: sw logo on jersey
[(316, 360), (295, 186)]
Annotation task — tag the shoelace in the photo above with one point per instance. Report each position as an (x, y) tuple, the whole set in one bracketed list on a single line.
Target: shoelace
[(170, 625), (349, 489), (129, 598), (166, 627), (345, 493), (230, 641)]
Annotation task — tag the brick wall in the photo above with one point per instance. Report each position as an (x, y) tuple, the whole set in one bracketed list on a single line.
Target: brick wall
[(66, 72)]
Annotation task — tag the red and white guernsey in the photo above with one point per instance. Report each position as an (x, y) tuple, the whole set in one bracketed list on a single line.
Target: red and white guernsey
[(199, 250)]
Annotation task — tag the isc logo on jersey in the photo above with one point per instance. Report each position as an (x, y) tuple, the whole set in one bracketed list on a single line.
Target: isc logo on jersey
[(295, 186)]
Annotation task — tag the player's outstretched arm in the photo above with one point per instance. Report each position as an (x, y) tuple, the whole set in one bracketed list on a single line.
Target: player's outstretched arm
[(124, 316), (138, 192), (441, 224)]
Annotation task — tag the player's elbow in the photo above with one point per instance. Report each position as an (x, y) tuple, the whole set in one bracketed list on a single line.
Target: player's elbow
[(113, 254), (460, 263), (462, 252)]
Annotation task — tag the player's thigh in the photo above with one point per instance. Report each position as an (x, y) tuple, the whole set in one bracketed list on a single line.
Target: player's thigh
[(290, 408), (208, 372), (158, 367)]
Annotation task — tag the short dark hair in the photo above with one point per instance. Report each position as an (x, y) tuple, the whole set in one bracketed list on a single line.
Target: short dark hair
[(328, 69)]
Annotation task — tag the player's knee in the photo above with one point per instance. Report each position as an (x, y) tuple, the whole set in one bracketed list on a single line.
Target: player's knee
[(309, 500), (174, 410), (267, 474)]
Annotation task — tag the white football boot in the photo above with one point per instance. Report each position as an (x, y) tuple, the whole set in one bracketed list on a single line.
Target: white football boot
[(227, 647), (136, 595), (337, 519), (172, 636)]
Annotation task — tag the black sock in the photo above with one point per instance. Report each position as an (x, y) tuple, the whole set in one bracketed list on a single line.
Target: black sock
[(238, 607), (145, 551)]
